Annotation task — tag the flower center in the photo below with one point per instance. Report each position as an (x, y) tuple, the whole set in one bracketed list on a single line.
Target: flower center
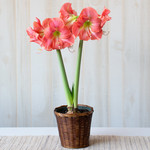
[(56, 34), (41, 34), (87, 24), (74, 18), (71, 20)]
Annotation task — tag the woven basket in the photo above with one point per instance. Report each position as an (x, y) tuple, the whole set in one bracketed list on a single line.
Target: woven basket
[(74, 129)]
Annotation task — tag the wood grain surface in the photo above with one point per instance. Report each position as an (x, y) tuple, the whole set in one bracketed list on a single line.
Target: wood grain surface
[(53, 143), (115, 71)]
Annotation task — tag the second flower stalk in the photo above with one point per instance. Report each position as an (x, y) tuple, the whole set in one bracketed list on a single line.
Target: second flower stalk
[(71, 94)]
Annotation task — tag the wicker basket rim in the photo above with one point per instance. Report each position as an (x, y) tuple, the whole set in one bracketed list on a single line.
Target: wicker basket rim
[(73, 114)]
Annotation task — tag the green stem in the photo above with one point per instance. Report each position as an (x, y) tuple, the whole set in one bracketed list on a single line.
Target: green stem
[(77, 75), (65, 81)]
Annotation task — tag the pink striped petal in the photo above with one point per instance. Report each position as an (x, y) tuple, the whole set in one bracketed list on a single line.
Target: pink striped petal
[(34, 36), (84, 34), (89, 13), (66, 10), (56, 23), (105, 11), (96, 35), (46, 22), (37, 26), (96, 25)]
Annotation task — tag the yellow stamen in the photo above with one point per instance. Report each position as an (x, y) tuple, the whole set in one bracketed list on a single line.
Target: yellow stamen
[(56, 34), (87, 24)]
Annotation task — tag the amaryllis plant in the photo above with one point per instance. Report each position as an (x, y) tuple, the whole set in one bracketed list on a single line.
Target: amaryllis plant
[(59, 33)]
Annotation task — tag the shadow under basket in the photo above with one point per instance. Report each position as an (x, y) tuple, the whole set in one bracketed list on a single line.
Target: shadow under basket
[(74, 129)]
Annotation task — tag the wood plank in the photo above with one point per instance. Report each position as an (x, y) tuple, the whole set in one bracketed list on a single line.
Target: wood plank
[(2, 141), (145, 63), (96, 143), (8, 85), (23, 53), (116, 72), (27, 142), (132, 63), (41, 75), (8, 143)]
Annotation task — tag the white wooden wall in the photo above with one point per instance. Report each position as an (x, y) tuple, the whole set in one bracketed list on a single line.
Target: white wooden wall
[(115, 75)]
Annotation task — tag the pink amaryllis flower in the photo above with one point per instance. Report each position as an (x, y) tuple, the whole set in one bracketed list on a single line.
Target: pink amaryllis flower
[(68, 15), (87, 25), (57, 35), (51, 34)]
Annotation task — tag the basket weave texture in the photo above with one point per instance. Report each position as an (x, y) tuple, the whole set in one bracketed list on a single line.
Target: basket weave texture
[(74, 129)]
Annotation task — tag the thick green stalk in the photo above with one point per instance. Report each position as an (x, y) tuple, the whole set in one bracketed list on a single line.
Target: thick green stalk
[(65, 81), (77, 75)]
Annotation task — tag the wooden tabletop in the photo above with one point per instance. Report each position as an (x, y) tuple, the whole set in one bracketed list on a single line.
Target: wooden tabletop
[(52, 142)]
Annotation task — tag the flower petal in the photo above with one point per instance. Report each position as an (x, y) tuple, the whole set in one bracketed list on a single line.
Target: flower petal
[(47, 43), (37, 26), (96, 35), (68, 41), (89, 13), (105, 12), (67, 37), (66, 10), (46, 22), (65, 33), (34, 36), (84, 34), (56, 23), (68, 15), (78, 25), (75, 29), (96, 25), (104, 17)]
